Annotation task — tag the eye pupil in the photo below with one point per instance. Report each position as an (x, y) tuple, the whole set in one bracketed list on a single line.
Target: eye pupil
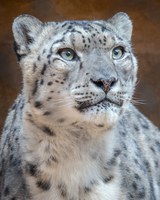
[(116, 52), (68, 53)]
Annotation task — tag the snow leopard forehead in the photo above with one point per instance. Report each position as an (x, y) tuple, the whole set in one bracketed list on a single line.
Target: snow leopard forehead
[(27, 28)]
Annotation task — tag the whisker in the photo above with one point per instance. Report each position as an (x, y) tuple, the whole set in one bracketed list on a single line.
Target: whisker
[(62, 104), (137, 101), (137, 82)]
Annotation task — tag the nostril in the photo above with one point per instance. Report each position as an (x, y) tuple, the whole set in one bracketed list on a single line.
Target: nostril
[(98, 83), (113, 81), (105, 84)]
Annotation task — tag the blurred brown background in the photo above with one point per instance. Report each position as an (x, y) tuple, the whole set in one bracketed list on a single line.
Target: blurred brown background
[(146, 42)]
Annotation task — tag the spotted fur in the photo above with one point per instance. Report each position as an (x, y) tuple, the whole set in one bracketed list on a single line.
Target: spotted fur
[(73, 133)]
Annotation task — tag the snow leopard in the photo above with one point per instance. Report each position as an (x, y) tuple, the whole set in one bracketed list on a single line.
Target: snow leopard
[(73, 133)]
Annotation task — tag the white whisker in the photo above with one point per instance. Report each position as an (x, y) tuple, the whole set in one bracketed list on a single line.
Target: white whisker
[(138, 101)]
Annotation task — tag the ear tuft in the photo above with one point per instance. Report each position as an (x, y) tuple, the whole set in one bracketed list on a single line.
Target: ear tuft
[(122, 24), (25, 29)]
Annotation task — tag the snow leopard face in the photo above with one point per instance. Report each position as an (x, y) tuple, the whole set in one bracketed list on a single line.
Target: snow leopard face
[(76, 70)]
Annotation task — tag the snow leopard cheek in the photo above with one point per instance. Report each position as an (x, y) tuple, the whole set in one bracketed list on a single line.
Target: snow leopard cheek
[(60, 66)]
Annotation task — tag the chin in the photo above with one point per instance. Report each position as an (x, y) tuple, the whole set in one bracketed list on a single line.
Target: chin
[(102, 116)]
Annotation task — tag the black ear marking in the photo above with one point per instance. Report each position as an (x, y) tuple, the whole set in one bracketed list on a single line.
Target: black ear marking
[(25, 28), (26, 32), (16, 49)]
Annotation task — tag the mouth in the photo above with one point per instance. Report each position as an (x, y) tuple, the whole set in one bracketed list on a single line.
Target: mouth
[(104, 102)]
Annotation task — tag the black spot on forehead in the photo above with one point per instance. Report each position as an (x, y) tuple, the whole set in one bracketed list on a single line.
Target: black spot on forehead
[(81, 23), (57, 41), (102, 26), (89, 30)]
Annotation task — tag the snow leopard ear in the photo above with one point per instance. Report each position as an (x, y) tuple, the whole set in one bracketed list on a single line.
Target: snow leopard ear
[(25, 29), (122, 24)]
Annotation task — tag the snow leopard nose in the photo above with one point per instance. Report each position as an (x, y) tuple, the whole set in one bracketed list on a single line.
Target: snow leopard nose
[(105, 84)]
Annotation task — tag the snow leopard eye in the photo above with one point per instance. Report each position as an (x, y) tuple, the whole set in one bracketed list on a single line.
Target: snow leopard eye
[(67, 54), (118, 52)]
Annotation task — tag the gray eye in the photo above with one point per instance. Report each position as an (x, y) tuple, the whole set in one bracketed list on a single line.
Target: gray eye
[(118, 52), (67, 54)]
